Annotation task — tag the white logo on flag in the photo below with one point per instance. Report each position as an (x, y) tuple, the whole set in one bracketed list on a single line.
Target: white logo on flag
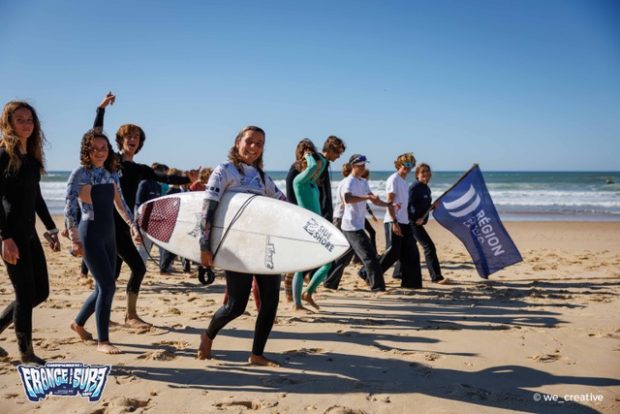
[(463, 205)]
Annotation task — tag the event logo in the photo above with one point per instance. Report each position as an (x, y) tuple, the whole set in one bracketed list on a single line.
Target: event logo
[(463, 205), (319, 233), (64, 379)]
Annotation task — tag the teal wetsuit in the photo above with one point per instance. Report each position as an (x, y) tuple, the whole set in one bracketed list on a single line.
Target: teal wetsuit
[(307, 194)]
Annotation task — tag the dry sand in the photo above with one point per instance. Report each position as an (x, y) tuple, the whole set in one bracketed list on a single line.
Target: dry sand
[(549, 325)]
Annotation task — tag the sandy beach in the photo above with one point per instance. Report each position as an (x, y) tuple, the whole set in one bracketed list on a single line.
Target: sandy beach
[(547, 327)]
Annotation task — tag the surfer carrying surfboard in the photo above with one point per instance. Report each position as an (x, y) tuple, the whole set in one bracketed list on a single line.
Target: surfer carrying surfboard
[(242, 173)]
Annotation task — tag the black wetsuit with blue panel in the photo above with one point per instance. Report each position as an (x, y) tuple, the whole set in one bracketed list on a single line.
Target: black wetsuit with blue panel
[(96, 233)]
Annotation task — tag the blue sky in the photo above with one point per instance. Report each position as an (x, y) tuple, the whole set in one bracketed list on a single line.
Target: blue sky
[(512, 85)]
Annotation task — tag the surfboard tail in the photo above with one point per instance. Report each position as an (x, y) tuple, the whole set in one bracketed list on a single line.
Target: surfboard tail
[(159, 219)]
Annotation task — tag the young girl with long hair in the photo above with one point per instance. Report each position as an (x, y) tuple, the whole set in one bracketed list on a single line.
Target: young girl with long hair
[(21, 166)]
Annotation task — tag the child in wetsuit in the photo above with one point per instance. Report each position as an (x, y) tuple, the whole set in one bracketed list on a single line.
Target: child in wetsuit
[(93, 190), (21, 165)]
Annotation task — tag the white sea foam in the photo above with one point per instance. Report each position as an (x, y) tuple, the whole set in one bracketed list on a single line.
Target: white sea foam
[(518, 197)]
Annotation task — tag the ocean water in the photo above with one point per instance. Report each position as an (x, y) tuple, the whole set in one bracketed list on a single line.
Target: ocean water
[(521, 196)]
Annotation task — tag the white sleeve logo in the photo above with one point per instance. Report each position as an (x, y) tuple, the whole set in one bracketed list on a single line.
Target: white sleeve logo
[(462, 203)]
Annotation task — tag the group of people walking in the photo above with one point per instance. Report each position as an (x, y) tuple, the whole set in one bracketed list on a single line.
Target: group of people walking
[(99, 221)]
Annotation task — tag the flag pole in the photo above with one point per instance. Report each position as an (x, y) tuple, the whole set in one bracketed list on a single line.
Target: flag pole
[(447, 191)]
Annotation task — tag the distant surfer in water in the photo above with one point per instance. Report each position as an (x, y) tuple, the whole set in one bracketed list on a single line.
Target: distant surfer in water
[(242, 173)]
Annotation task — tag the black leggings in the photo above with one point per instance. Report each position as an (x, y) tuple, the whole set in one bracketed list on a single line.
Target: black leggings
[(238, 287), (30, 281), (128, 253), (430, 252), (403, 249)]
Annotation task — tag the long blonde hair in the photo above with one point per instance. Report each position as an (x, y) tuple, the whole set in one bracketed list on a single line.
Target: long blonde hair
[(10, 141)]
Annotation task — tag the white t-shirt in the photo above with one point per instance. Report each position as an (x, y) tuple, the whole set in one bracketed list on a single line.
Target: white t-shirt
[(354, 213), (339, 208), (395, 184)]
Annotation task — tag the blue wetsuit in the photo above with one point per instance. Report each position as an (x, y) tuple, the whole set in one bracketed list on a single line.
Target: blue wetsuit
[(97, 235)]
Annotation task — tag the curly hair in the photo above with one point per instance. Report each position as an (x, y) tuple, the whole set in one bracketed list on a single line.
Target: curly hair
[(403, 158), (10, 141), (88, 141), (333, 143), (128, 129), (303, 146), (235, 157)]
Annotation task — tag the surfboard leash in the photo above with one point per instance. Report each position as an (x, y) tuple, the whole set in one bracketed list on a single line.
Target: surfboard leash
[(148, 253), (234, 219)]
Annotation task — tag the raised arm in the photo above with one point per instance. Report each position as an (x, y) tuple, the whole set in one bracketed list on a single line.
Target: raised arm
[(107, 100)]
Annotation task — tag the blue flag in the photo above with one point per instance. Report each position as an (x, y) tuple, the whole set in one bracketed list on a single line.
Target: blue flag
[(468, 212)]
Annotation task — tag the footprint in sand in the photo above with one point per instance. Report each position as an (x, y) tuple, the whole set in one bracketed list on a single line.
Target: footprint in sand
[(304, 351), (249, 404), (158, 355), (176, 345), (126, 404), (339, 409), (346, 333), (431, 356), (54, 344), (173, 311), (546, 357), (472, 392)]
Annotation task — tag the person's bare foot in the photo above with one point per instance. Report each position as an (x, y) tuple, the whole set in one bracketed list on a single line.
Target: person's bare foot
[(261, 361), (134, 321), (83, 333), (108, 348), (204, 350), (300, 309), (31, 358), (308, 298)]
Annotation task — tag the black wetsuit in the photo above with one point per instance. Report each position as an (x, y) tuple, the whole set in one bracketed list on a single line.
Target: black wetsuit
[(131, 173), (420, 201), (325, 194), (290, 177), (20, 196)]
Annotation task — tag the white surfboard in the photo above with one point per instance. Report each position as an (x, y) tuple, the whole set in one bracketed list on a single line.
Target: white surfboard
[(251, 234)]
